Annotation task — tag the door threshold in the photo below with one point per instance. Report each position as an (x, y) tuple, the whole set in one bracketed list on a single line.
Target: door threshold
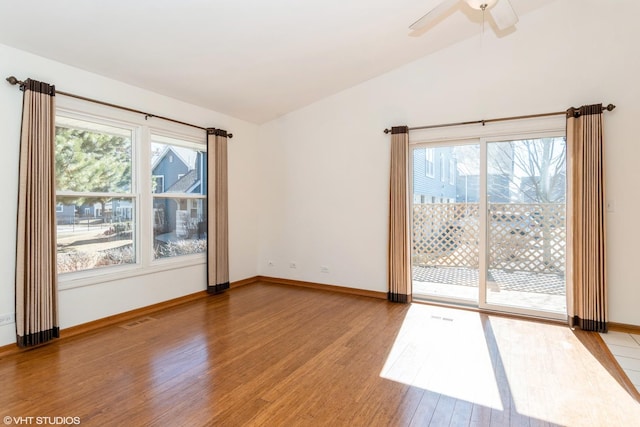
[(421, 299)]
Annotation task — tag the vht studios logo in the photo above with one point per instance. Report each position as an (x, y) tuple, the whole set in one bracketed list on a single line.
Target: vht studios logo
[(47, 421)]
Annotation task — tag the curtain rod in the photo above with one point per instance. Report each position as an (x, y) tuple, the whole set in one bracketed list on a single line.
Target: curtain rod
[(609, 107), (14, 81)]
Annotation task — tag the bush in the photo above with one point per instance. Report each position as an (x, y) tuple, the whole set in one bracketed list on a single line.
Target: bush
[(117, 256), (76, 261), (181, 247)]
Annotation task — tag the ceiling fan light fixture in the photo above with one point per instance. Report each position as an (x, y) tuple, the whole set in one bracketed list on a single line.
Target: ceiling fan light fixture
[(481, 4)]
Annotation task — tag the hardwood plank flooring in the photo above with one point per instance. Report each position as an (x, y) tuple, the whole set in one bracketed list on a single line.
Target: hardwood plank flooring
[(276, 355)]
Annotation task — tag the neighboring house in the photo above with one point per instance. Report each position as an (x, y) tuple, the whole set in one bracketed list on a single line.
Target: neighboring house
[(167, 168), (65, 214), (114, 210), (434, 175), (173, 174)]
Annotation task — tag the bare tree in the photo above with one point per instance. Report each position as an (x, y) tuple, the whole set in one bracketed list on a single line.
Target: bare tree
[(536, 169)]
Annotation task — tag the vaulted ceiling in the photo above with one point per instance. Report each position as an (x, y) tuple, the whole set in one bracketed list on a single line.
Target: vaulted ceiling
[(251, 59)]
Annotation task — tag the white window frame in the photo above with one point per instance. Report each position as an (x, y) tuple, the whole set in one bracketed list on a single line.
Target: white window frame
[(141, 190)]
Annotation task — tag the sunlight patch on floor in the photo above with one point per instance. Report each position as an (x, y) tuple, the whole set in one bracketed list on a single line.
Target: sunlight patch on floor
[(437, 350)]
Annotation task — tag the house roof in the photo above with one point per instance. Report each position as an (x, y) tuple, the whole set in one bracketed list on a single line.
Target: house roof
[(250, 59), (157, 158), (185, 183)]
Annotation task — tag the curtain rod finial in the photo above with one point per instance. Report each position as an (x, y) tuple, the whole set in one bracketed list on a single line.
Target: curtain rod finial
[(610, 107), (387, 131), (13, 80)]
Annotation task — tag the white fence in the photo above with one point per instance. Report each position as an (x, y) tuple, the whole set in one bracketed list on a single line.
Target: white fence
[(522, 237)]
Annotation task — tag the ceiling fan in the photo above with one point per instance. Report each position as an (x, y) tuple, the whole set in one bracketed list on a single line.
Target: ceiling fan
[(500, 10)]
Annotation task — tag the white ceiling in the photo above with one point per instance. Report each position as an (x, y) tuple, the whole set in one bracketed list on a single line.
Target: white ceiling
[(251, 59)]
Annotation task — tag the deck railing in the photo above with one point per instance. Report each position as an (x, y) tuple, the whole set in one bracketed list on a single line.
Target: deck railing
[(521, 236)]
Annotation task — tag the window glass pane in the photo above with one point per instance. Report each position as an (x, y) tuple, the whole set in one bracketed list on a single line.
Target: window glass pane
[(428, 162), (94, 232), (179, 226), (177, 169), (92, 157)]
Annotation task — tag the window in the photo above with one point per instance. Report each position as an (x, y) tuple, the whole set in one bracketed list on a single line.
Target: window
[(442, 171), (131, 198), (179, 209), (452, 171), (93, 164), (428, 168), (157, 183)]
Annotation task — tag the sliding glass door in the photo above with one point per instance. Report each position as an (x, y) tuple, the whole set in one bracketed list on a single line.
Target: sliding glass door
[(446, 221), (488, 224), (526, 233)]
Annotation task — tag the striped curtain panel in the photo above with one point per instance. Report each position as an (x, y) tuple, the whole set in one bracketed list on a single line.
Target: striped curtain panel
[(217, 212), (399, 249), (587, 296), (36, 278)]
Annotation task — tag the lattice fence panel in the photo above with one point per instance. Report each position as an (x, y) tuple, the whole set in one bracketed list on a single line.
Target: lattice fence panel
[(527, 237), (445, 235), (522, 237)]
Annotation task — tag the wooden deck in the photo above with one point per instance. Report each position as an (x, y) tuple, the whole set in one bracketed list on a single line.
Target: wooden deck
[(275, 355)]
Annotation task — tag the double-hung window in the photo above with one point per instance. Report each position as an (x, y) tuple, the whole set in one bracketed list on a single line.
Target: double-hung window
[(130, 195), (96, 224)]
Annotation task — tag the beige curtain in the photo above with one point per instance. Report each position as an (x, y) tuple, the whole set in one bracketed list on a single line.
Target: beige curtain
[(217, 212), (399, 250), (587, 296), (36, 278)]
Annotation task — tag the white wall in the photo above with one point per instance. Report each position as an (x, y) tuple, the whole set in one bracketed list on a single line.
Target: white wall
[(324, 185), (84, 304)]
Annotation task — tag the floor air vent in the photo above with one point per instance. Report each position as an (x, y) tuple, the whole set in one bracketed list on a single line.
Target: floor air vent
[(137, 322)]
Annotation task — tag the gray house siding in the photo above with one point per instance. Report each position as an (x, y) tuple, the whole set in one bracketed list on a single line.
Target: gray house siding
[(433, 189), (171, 168)]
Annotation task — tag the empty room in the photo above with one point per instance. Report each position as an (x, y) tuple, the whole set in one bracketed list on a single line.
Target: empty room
[(322, 213)]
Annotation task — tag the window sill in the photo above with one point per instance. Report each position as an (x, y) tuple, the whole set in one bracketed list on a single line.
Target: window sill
[(81, 279)]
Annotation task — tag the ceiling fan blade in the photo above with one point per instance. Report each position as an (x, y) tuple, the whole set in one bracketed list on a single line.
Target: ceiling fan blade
[(503, 14), (433, 15)]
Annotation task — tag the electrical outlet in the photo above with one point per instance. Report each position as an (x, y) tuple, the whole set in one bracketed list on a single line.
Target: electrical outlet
[(324, 269), (6, 319), (292, 265)]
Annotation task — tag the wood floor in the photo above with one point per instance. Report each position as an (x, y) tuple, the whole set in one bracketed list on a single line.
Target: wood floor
[(274, 355)]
